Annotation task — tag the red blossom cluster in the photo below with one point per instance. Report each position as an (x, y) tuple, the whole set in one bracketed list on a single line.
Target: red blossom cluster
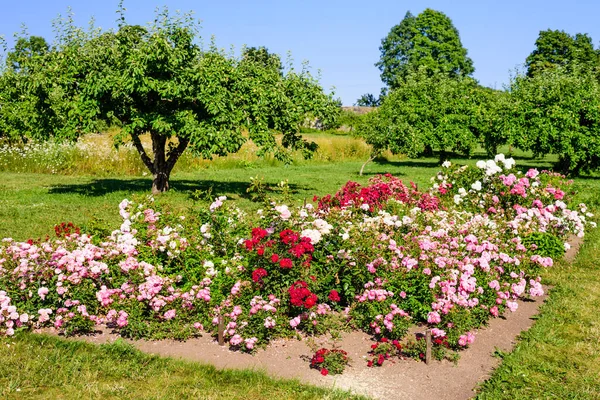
[(381, 188), (258, 274), (320, 356), (289, 242), (383, 350), (65, 229), (334, 296), (301, 296)]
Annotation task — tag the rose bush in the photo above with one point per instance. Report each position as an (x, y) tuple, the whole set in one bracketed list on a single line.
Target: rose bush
[(379, 258)]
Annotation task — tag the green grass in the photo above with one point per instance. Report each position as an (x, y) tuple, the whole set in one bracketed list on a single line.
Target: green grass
[(559, 357), (31, 204), (43, 367)]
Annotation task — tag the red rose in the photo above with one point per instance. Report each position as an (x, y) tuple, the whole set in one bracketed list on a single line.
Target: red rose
[(285, 263), (258, 274), (260, 251), (324, 371), (274, 258), (370, 363), (334, 296)]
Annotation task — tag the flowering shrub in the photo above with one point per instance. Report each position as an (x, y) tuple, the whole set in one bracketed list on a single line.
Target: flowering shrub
[(383, 350), (379, 258), (328, 361)]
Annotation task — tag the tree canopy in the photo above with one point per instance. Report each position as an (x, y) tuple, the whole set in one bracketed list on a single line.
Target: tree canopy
[(554, 48), (557, 112), (429, 111), (428, 41), (157, 80)]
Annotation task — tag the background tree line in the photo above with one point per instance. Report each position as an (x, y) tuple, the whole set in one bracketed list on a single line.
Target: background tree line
[(431, 102)]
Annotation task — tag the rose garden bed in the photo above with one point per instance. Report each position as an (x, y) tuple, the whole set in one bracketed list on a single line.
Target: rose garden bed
[(379, 259)]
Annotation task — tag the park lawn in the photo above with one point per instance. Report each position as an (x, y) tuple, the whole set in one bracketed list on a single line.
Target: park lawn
[(558, 358), (44, 367)]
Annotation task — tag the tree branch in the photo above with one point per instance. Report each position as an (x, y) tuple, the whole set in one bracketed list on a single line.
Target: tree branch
[(176, 153), (145, 159)]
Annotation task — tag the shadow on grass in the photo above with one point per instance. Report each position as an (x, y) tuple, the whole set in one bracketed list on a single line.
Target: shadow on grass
[(101, 187)]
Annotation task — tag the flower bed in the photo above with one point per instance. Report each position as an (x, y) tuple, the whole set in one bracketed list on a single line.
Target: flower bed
[(379, 258)]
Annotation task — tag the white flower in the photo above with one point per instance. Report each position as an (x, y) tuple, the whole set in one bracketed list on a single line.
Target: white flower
[(457, 199), (499, 157), (364, 207), (446, 164), (284, 212), (313, 234), (509, 163), (476, 186), (462, 192), (480, 164), (567, 246)]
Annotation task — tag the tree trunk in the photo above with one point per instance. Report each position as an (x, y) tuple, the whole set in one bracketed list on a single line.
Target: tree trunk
[(160, 183), (366, 162), (163, 163)]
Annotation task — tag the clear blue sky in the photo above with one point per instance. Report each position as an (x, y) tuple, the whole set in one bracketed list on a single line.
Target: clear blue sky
[(341, 38)]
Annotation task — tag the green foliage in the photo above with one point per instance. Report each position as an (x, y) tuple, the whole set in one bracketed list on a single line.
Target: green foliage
[(157, 80), (369, 100), (428, 40), (544, 244), (554, 48), (557, 112), (429, 111)]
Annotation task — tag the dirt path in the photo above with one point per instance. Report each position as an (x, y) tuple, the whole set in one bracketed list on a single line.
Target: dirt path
[(404, 379)]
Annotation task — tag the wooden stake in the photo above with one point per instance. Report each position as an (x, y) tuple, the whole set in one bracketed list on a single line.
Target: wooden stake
[(221, 331), (428, 343)]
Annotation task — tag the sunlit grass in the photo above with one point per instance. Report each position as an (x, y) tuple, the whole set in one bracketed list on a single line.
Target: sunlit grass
[(42, 367)]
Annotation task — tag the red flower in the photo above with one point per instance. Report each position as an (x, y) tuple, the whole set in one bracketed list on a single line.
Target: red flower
[(285, 263), (374, 346), (258, 274), (324, 371), (310, 301), (258, 233), (274, 258), (334, 296), (260, 251), (380, 359), (370, 363)]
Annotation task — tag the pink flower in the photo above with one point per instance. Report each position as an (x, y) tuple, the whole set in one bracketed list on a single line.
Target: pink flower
[(512, 305), (235, 340), (494, 311), (294, 322), (434, 318), (462, 340), (169, 314), (198, 325), (42, 292)]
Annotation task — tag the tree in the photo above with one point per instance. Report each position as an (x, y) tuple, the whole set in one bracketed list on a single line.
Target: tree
[(429, 111), (557, 112), (368, 100), (156, 80), (555, 48), (429, 40)]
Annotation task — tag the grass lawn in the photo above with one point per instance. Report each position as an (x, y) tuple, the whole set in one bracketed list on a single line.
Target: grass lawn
[(43, 367), (558, 358)]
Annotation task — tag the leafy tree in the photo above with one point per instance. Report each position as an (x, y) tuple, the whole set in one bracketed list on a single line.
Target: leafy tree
[(555, 48), (368, 100), (428, 40), (156, 80), (557, 112), (429, 111), (25, 49)]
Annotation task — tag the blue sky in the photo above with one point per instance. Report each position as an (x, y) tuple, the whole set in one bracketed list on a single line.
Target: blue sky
[(341, 38)]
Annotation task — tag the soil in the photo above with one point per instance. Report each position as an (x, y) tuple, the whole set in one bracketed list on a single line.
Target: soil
[(403, 379)]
